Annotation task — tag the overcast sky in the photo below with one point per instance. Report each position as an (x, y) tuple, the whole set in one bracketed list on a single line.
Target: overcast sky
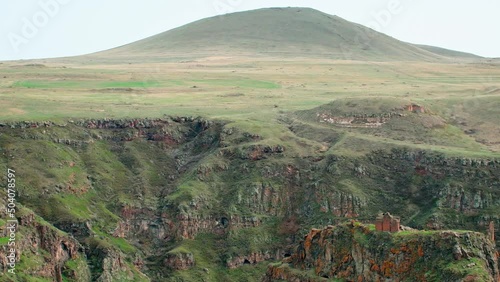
[(54, 28)]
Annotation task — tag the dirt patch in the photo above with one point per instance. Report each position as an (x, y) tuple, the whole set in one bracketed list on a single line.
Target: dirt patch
[(30, 66), (232, 95), (117, 90)]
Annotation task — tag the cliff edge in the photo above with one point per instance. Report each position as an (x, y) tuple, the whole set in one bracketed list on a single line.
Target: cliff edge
[(356, 252)]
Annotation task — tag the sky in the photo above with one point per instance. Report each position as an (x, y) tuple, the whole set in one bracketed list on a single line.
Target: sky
[(33, 29)]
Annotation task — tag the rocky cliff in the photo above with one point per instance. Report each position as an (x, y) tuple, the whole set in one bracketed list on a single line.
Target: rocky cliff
[(356, 252), (40, 250), (182, 198)]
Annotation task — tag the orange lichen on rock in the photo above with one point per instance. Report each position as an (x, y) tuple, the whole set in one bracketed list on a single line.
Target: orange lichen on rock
[(276, 273), (346, 273), (420, 251), (307, 243), (395, 251), (404, 248), (387, 268), (319, 265), (353, 252), (375, 267), (346, 258)]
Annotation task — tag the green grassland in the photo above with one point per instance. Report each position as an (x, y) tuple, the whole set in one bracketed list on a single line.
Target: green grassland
[(268, 102), (261, 92)]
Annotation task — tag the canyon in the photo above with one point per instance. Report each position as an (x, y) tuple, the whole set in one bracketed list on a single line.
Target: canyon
[(97, 209)]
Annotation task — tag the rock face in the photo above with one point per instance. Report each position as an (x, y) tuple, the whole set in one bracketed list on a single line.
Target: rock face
[(356, 121), (134, 192), (113, 267), (355, 252), (91, 250), (64, 256), (179, 261), (253, 258)]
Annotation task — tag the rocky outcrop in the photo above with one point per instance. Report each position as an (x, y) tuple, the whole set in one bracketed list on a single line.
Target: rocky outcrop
[(189, 226), (79, 230), (170, 131), (284, 272), (355, 121), (355, 252), (340, 204), (38, 238), (145, 223), (114, 268), (179, 260), (253, 258), (362, 120), (109, 264), (253, 152), (27, 124), (466, 201), (464, 190)]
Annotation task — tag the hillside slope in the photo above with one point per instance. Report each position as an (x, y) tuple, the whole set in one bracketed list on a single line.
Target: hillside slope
[(447, 52), (301, 32)]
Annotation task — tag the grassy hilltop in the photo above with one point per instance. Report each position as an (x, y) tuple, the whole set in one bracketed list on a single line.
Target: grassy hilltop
[(289, 32)]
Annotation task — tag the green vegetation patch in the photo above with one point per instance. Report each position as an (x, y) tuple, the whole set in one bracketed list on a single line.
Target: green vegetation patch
[(120, 243), (95, 84), (243, 83)]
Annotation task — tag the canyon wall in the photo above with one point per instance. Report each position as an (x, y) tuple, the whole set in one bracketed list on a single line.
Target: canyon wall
[(355, 252)]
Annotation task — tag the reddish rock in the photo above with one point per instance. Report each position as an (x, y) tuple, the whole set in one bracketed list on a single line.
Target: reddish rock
[(37, 237), (415, 108), (253, 258), (180, 261), (342, 253)]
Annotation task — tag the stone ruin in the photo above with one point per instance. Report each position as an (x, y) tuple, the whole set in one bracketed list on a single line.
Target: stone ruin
[(415, 108), (388, 223)]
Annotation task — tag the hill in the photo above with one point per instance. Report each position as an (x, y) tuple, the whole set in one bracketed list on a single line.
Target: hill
[(447, 52), (293, 32)]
